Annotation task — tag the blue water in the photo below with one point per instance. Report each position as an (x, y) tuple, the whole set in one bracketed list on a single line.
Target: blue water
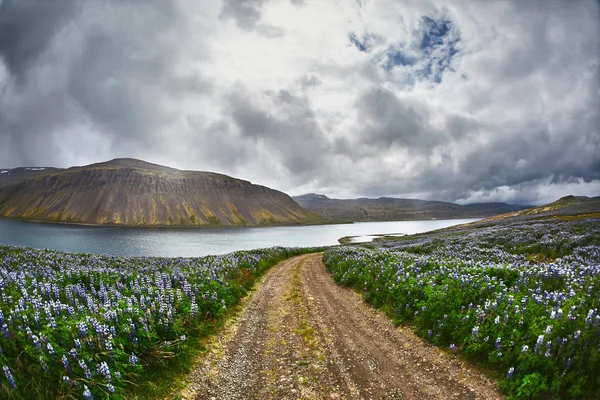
[(191, 242)]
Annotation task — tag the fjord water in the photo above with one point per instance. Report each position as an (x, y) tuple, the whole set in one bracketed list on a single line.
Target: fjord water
[(192, 242)]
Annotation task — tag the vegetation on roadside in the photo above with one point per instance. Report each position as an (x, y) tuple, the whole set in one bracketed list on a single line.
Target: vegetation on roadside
[(522, 299), (76, 325)]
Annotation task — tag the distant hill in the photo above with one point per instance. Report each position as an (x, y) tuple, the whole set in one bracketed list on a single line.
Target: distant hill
[(394, 209), (17, 174), (137, 193), (565, 206)]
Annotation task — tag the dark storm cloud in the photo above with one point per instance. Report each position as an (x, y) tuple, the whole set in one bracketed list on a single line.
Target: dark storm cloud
[(112, 82), (27, 27), (286, 124), (388, 121)]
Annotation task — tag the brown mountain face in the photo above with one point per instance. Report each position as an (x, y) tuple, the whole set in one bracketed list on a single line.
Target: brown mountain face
[(393, 209), (135, 193)]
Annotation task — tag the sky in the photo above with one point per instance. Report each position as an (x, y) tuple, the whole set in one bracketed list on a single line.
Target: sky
[(462, 100)]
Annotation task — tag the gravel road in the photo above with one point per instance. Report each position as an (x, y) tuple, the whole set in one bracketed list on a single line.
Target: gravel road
[(300, 336)]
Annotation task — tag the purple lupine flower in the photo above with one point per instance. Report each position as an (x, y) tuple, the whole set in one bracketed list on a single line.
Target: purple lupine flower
[(576, 336), (538, 344), (66, 364), (86, 371), (4, 330), (73, 353), (36, 342), (9, 377), (133, 360), (87, 395), (104, 370), (43, 364), (509, 375)]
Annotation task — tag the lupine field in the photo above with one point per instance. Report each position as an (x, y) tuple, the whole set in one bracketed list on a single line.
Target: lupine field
[(521, 299), (85, 326)]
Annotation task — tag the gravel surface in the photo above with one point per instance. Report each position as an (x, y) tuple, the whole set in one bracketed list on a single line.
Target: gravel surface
[(300, 336)]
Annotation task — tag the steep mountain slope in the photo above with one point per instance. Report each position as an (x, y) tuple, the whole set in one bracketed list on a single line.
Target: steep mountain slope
[(390, 209), (134, 192)]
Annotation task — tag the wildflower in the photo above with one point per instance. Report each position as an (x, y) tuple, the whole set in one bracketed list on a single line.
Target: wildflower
[(104, 370), (509, 375), (86, 371), (44, 365), (538, 344), (452, 347), (87, 395), (66, 364), (73, 353), (36, 342), (475, 331), (524, 349), (576, 336), (9, 377)]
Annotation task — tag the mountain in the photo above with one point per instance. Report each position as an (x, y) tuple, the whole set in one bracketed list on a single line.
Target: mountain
[(392, 209), (136, 193), (567, 206), (17, 174)]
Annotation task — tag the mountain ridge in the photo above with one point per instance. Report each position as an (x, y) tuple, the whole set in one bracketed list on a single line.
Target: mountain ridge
[(132, 192), (564, 207), (391, 208)]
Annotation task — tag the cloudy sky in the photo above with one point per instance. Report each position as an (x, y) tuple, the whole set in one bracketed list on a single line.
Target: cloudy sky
[(452, 100)]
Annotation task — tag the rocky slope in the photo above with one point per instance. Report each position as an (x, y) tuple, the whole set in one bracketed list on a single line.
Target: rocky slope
[(391, 209), (136, 193)]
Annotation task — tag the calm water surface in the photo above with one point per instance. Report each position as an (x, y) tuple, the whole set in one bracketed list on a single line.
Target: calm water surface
[(172, 242)]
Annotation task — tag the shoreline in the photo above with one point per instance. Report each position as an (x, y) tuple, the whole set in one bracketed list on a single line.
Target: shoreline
[(326, 222), (126, 226)]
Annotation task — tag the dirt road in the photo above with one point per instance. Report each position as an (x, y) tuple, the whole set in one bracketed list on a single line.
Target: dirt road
[(300, 336)]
